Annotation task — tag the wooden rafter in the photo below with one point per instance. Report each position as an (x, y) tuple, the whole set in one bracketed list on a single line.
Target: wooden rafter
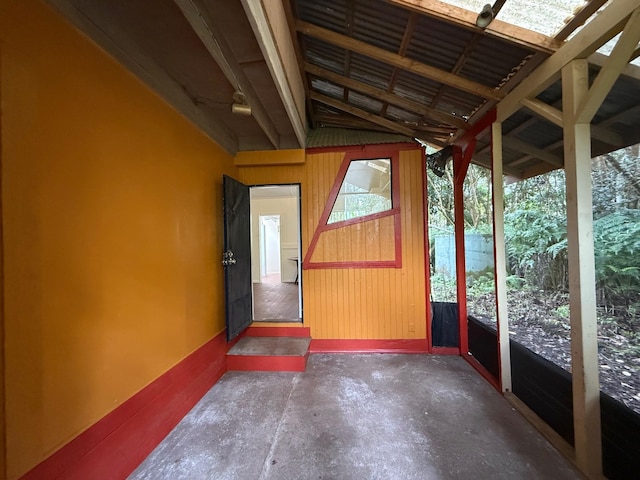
[(544, 155), (600, 30), (204, 27), (459, 16), (579, 18), (384, 96), (358, 112), (404, 44), (270, 26), (290, 14), (610, 72), (396, 60)]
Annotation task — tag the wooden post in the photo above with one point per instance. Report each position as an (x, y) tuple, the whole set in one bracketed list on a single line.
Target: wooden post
[(584, 341), (500, 258), (461, 277)]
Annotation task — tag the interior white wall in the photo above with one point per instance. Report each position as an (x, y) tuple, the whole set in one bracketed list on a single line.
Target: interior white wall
[(287, 208), (272, 245)]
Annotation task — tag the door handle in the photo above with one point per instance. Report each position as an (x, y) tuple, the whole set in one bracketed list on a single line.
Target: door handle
[(227, 258)]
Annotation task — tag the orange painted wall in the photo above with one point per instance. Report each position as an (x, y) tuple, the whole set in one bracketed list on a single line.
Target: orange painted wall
[(358, 303), (111, 228)]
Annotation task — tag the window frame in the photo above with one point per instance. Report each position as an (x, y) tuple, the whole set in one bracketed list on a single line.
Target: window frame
[(375, 152)]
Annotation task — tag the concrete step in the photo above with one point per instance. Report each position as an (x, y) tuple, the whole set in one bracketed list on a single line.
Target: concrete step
[(280, 331), (269, 354)]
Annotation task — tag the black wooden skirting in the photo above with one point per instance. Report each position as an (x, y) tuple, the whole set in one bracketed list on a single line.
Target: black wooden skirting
[(546, 389)]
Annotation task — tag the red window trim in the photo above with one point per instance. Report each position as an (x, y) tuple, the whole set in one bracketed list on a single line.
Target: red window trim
[(361, 153)]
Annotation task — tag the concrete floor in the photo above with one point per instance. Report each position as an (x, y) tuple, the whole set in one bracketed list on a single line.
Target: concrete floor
[(356, 417)]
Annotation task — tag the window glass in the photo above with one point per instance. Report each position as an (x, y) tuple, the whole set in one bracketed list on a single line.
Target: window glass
[(365, 190)]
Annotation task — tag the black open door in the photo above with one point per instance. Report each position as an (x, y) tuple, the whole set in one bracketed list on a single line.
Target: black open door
[(237, 256)]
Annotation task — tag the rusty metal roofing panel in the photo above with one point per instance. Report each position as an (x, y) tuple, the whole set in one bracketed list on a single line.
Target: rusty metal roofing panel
[(342, 137)]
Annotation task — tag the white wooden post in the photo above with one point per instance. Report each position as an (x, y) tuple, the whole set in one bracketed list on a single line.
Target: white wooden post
[(584, 341), (500, 260)]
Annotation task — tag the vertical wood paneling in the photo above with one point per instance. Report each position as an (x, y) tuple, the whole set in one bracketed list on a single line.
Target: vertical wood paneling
[(364, 303), (368, 241)]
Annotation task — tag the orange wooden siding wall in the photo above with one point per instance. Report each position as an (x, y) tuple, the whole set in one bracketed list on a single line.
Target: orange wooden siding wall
[(112, 228), (367, 241), (359, 303)]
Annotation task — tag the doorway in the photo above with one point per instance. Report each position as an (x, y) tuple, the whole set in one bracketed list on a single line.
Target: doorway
[(275, 253), (269, 238)]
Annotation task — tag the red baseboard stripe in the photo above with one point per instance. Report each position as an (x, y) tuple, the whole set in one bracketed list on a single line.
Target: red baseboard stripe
[(304, 332), (483, 371), (257, 363), (369, 346), (445, 351), (114, 446)]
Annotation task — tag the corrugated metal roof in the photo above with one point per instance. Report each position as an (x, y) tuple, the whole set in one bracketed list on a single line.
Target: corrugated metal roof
[(344, 137), (427, 40), (433, 42)]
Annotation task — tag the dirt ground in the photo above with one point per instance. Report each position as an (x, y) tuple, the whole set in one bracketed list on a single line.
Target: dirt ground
[(540, 323)]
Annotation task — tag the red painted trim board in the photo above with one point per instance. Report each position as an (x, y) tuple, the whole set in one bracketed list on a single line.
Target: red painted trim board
[(360, 153), (445, 350), (356, 148), (369, 346), (482, 371), (461, 278), (260, 363), (115, 445), (303, 332)]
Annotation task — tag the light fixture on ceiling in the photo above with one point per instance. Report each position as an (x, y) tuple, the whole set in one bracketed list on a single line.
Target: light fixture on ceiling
[(240, 105), (438, 161), (485, 17)]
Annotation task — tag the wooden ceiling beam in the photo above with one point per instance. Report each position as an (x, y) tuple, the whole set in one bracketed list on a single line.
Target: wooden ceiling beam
[(384, 96), (513, 143), (204, 27), (396, 60), (404, 44), (335, 103), (291, 16), (579, 18), (635, 110), (349, 121), (529, 39), (610, 72), (600, 30), (270, 26)]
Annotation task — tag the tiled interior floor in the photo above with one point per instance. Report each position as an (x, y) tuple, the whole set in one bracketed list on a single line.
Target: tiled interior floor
[(360, 417), (275, 302)]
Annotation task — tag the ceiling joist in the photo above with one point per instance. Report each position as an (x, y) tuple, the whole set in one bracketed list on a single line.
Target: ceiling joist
[(513, 143), (396, 60), (384, 96), (204, 27), (358, 112)]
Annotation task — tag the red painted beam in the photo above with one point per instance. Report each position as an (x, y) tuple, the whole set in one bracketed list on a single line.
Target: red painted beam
[(303, 332), (264, 363), (461, 278), (476, 129), (483, 371), (369, 346)]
